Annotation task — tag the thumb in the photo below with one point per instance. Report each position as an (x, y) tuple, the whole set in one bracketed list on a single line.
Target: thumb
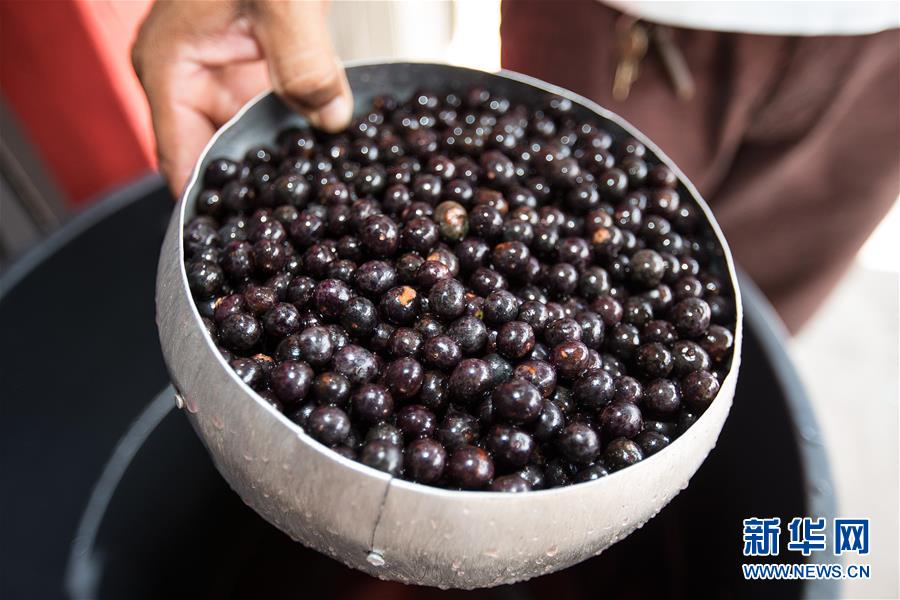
[(304, 69)]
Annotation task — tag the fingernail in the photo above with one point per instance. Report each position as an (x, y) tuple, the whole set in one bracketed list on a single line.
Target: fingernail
[(334, 116)]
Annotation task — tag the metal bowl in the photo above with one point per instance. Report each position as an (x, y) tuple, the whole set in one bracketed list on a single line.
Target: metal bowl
[(388, 527)]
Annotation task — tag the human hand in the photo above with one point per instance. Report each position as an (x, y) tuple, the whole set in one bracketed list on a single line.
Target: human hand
[(199, 62)]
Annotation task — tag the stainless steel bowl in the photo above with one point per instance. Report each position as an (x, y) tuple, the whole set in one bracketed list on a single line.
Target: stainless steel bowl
[(387, 527)]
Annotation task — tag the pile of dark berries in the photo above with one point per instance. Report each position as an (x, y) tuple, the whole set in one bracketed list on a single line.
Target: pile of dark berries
[(465, 292)]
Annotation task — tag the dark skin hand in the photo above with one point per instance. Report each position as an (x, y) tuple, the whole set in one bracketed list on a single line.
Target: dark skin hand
[(200, 61)]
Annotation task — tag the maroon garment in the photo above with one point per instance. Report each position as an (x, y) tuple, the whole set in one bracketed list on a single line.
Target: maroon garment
[(794, 141)]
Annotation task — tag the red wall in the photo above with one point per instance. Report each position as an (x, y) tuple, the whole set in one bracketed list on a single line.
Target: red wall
[(65, 73)]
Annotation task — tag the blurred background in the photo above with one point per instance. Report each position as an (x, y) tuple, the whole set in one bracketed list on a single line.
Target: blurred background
[(75, 126)]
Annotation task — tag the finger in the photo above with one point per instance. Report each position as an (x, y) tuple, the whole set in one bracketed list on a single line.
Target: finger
[(181, 134), (236, 85), (303, 66), (198, 63), (189, 103), (181, 128)]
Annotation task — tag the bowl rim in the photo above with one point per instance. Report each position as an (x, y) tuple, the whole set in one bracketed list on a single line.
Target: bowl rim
[(195, 181)]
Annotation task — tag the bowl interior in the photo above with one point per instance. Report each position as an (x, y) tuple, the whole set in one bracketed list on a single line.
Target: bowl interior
[(261, 120)]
